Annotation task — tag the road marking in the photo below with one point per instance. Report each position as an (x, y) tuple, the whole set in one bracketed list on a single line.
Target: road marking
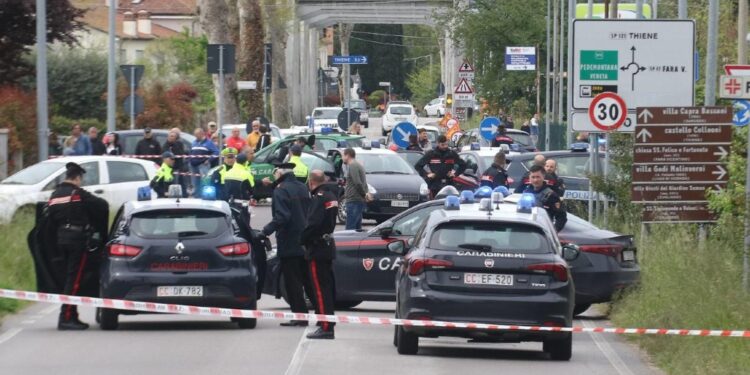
[(9, 335), (295, 365), (609, 353), (31, 321)]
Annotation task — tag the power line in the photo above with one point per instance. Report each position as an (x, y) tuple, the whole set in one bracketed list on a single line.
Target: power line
[(400, 35), (383, 43)]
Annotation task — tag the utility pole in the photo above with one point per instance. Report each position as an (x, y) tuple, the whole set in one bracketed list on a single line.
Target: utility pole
[(682, 9), (711, 52), (41, 79), (555, 52), (742, 33), (547, 81), (111, 78), (561, 67)]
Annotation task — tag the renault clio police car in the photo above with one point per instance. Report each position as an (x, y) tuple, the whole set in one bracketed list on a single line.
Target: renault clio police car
[(486, 263), (183, 251)]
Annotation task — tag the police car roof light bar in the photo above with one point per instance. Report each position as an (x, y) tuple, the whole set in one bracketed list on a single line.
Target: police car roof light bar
[(467, 196), (144, 193), (452, 203), (526, 203), (208, 192)]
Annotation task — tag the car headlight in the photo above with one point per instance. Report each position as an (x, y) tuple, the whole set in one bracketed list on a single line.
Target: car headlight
[(371, 189), (423, 189)]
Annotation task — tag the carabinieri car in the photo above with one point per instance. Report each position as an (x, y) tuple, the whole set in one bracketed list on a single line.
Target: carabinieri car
[(183, 251)]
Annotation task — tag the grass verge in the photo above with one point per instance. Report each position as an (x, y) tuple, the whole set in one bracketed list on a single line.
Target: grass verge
[(16, 265), (684, 285)]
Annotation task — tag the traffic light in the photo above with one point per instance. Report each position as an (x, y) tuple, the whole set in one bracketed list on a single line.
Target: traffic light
[(448, 100)]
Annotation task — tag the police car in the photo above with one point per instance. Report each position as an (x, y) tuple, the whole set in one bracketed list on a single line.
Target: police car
[(394, 184), (478, 159), (364, 268), (486, 263), (184, 251), (520, 138)]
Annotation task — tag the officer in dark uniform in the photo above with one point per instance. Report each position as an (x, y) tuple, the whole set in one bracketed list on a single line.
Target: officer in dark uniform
[(289, 207), (444, 164), (72, 208), (546, 197), (320, 249), (501, 137), (539, 160), (496, 175), (552, 179)]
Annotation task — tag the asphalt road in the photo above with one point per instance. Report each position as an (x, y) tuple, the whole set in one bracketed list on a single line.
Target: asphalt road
[(159, 344)]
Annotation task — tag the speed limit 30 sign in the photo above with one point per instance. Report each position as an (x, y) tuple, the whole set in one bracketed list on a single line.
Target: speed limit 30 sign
[(607, 111)]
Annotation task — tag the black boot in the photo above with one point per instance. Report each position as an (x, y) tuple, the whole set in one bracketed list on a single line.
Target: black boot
[(321, 334), (71, 325)]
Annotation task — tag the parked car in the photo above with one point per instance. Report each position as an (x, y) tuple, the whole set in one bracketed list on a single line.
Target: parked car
[(432, 134), (398, 112), (436, 107), (324, 117), (113, 178), (519, 137)]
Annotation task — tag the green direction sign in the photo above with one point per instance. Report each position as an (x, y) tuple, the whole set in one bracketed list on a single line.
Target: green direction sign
[(599, 65)]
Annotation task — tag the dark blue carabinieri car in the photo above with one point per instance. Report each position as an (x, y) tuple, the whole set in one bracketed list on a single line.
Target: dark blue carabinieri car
[(183, 251)]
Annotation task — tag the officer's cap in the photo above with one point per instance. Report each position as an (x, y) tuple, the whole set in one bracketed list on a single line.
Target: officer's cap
[(74, 168), (229, 151), (167, 154)]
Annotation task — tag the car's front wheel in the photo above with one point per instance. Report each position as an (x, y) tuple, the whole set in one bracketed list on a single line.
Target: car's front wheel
[(108, 319), (406, 342), (341, 216), (559, 349)]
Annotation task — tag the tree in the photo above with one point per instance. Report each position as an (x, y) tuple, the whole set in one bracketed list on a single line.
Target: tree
[(278, 15), (17, 112), (18, 33), (167, 108), (422, 84), (251, 52), (385, 47)]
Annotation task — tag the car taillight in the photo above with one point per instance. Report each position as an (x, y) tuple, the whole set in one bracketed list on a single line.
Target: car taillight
[(559, 271), (120, 250), (418, 265), (608, 250), (241, 248)]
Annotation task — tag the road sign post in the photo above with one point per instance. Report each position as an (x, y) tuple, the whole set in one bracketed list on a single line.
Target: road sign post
[(679, 154), (401, 133), (520, 58), (220, 60), (488, 127), (133, 74)]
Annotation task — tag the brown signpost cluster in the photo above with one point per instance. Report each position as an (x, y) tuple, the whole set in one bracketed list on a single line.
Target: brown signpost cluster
[(679, 155)]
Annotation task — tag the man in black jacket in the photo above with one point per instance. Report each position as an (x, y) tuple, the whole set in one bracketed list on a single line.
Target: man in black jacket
[(496, 175), (444, 164), (148, 146), (174, 145), (97, 147), (555, 182), (73, 211), (320, 249), (289, 207), (546, 197)]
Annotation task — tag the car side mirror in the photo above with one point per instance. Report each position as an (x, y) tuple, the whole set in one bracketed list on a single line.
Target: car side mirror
[(397, 247), (386, 230), (570, 252)]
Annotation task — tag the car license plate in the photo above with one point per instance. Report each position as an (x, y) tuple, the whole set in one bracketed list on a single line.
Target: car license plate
[(179, 291), (399, 203), (488, 279), (628, 255)]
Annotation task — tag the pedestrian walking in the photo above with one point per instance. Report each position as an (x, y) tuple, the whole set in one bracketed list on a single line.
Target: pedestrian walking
[(534, 122), (289, 207), (320, 248), (97, 147), (72, 210), (148, 146), (355, 191)]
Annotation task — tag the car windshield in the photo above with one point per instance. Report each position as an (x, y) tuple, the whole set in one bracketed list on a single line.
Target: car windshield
[(521, 139), (326, 113), (384, 164), (178, 224), (355, 104), (569, 166), (410, 157), (400, 110), (33, 174), (490, 236)]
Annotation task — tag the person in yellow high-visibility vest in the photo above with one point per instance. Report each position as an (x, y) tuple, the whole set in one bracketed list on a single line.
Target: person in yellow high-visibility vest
[(164, 175), (300, 169)]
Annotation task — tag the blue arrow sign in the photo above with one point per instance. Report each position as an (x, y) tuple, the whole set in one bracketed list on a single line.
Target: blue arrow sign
[(741, 112), (342, 60), (401, 133), (488, 126)]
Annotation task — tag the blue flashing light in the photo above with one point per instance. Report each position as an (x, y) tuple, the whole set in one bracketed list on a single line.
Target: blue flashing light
[(452, 203), (144, 193), (467, 196), (526, 203), (502, 189), (325, 130), (475, 146), (208, 192), (483, 192), (375, 144)]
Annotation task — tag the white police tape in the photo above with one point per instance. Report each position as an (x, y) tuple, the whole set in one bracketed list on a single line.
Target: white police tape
[(351, 319)]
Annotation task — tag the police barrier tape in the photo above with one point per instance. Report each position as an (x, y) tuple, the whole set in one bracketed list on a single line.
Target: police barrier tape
[(351, 319)]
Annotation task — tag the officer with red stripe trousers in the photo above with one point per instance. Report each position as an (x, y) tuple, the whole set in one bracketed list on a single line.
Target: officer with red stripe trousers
[(320, 249), (71, 209), (442, 165)]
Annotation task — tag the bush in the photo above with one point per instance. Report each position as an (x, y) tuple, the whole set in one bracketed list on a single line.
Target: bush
[(18, 114), (63, 125), (167, 108), (376, 98)]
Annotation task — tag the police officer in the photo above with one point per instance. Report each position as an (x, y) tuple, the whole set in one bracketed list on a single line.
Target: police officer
[(444, 164), (546, 197), (553, 180), (539, 160), (289, 207), (501, 137), (164, 175), (72, 208), (496, 175), (320, 249), (300, 169)]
